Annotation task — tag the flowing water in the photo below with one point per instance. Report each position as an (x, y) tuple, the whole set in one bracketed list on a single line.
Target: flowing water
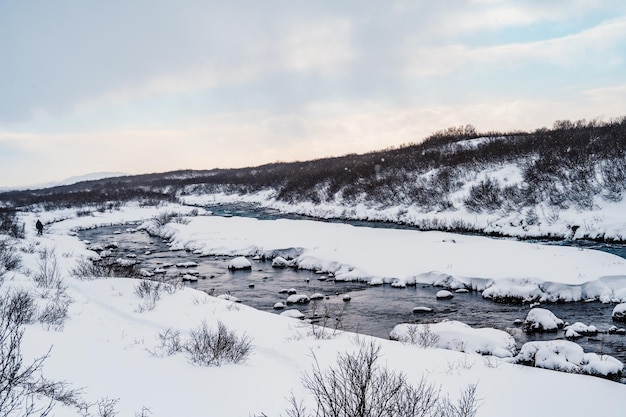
[(372, 310)]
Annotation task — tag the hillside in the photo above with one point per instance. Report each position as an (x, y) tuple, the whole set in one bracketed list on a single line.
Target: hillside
[(557, 182)]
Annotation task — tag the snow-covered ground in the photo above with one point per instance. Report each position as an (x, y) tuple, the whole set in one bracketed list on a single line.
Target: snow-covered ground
[(499, 268), (106, 342), (604, 221)]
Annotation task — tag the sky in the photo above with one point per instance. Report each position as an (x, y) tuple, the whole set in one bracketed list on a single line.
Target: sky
[(145, 86)]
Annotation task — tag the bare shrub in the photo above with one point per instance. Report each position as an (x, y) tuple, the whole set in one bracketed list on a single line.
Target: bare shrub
[(214, 347), (421, 335), (103, 268), (10, 225), (144, 412), (172, 285), (54, 314), (426, 338), (49, 275), (106, 407), (486, 195), (19, 307), (9, 257), (328, 323), (23, 391), (466, 406), (86, 270), (166, 217), (150, 292), (170, 343), (84, 212), (359, 387)]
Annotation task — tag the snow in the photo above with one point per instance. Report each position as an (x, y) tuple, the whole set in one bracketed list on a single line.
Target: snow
[(422, 310), (444, 294), (503, 268), (542, 320), (604, 221), (105, 344), (298, 299), (619, 312), (454, 335), (292, 313), (579, 329), (240, 262), (567, 356), (280, 262)]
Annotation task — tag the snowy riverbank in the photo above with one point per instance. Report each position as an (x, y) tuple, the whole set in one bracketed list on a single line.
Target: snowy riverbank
[(105, 342), (604, 222), (501, 269)]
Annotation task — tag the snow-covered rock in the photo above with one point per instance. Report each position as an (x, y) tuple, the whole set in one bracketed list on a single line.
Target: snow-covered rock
[(238, 263), (279, 306), (423, 310), (96, 247), (455, 335), (190, 278), (125, 262), (297, 299), (187, 264), (619, 312), (145, 273), (229, 297), (317, 296), (444, 294), (563, 355), (280, 262), (542, 320), (616, 330), (579, 329), (293, 313)]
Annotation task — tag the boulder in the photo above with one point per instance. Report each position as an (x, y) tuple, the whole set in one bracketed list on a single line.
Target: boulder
[(619, 313), (239, 263), (444, 295), (542, 320), (298, 299)]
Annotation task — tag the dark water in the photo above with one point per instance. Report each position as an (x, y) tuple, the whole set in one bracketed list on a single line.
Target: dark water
[(371, 310)]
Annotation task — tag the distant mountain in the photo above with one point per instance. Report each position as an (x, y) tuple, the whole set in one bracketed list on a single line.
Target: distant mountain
[(94, 176), (88, 177)]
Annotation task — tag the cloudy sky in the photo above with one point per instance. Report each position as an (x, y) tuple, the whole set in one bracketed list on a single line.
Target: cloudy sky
[(140, 86)]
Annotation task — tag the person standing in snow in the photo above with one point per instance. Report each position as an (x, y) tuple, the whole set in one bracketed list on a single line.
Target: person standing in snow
[(39, 226)]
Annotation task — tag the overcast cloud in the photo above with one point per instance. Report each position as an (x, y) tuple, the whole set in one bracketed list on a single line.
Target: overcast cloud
[(151, 86)]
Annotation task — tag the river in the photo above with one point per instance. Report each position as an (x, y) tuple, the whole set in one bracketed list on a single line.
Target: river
[(372, 310)]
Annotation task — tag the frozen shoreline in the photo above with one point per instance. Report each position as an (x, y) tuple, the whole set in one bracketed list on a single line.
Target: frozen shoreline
[(106, 335), (501, 269), (604, 223)]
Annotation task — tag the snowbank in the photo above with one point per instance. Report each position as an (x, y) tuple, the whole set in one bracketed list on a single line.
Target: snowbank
[(454, 335), (500, 268), (563, 355), (604, 221)]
